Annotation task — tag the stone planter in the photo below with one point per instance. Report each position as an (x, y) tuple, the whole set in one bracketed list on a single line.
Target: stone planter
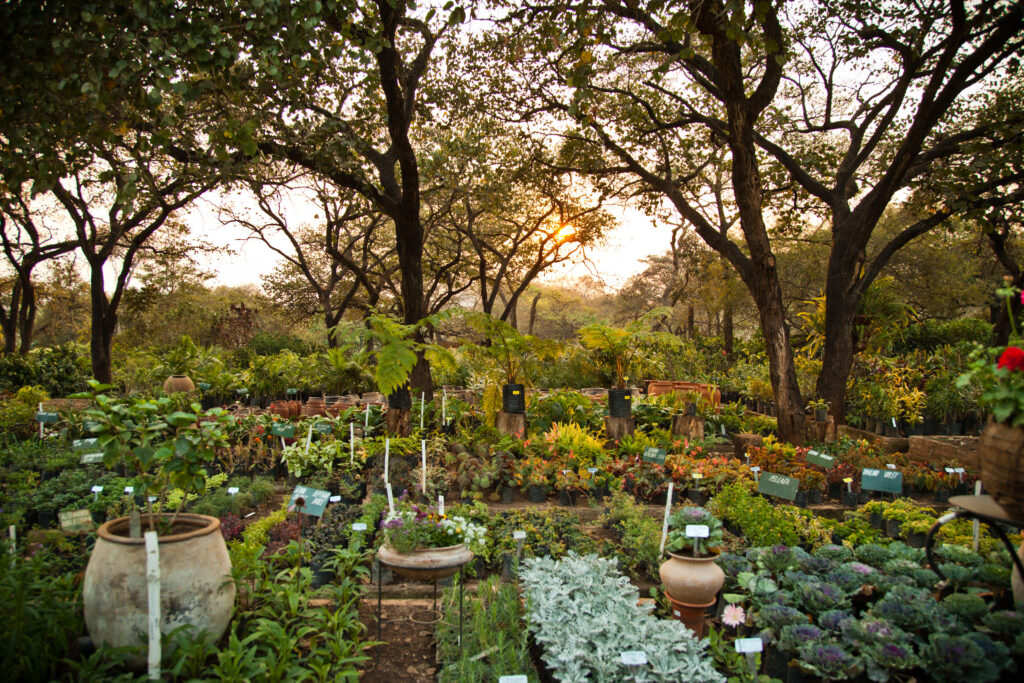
[(195, 586), (426, 564)]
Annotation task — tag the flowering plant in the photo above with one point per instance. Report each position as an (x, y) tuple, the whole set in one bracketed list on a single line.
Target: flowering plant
[(999, 374), (411, 527), (677, 541)]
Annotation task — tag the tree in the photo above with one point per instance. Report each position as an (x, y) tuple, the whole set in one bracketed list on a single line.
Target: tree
[(836, 108)]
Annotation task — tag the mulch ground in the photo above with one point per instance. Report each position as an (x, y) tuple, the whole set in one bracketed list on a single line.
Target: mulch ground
[(408, 652)]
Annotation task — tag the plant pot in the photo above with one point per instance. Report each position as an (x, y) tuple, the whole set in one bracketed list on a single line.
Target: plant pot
[(176, 384), (195, 588), (692, 580), (566, 498), (821, 414), (849, 499), (815, 497), (917, 539), (1001, 453), (692, 616), (942, 495), (508, 494), (892, 528), (801, 499), (697, 496), (426, 564), (400, 399), (863, 497), (876, 520), (619, 403), (536, 494), (513, 399)]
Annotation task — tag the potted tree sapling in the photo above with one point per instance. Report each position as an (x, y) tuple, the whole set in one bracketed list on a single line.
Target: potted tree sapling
[(510, 352), (165, 444), (178, 362)]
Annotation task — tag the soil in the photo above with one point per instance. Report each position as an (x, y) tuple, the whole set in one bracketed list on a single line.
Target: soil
[(408, 653)]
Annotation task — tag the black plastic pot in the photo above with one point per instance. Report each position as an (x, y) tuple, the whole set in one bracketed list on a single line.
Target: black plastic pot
[(619, 403), (801, 499), (536, 494), (917, 539), (566, 499), (507, 494), (697, 496), (892, 528), (513, 399), (821, 414), (814, 497), (400, 399), (849, 499)]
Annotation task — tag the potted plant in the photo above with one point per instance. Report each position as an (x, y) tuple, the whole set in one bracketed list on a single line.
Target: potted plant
[(510, 352), (819, 407), (618, 346), (420, 543), (165, 445), (178, 361), (691, 577)]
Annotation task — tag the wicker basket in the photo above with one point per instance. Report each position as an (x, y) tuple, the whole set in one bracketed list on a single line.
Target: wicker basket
[(1001, 452)]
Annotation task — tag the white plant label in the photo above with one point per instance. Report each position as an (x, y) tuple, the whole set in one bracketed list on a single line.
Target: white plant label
[(91, 458), (152, 499), (894, 423), (232, 490), (440, 505), (351, 443), (633, 658), (96, 489), (592, 470), (391, 497), (387, 458), (519, 678), (697, 475), (890, 466), (519, 535), (697, 531), (745, 645), (423, 465), (755, 468), (366, 421), (664, 522), (950, 470), (813, 452), (359, 526), (129, 490), (334, 499), (566, 471)]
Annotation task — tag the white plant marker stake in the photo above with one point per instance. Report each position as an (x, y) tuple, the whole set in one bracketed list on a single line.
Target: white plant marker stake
[(976, 524), (309, 437), (12, 532), (423, 466), (444, 407), (366, 420), (40, 424), (391, 497), (440, 505), (423, 397), (351, 443), (153, 593), (387, 458), (664, 524)]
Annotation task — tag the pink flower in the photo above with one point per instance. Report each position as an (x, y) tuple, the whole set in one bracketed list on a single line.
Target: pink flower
[(733, 616)]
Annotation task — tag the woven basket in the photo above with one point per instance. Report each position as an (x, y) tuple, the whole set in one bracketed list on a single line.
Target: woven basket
[(1001, 451)]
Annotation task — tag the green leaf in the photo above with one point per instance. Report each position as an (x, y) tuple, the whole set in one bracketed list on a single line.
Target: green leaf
[(182, 446), (180, 419)]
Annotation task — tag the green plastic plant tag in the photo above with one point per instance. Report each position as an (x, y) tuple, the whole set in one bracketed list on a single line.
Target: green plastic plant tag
[(47, 418), (778, 485), (313, 501), (820, 459), (91, 458), (290, 392), (204, 386), (655, 455), (887, 481), (287, 431), (323, 428)]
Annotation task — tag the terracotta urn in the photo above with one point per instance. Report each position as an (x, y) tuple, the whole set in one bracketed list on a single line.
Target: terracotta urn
[(692, 580), (178, 383)]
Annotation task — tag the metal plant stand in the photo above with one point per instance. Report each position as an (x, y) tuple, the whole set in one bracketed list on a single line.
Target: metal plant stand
[(984, 509)]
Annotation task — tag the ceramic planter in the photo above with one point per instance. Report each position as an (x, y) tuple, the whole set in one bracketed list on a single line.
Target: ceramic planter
[(195, 586), (692, 580), (178, 384)]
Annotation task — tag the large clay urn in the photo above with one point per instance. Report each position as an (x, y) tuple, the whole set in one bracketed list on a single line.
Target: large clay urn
[(195, 583), (692, 580), (178, 384)]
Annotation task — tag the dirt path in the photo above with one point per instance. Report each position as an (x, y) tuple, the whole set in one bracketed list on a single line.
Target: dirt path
[(408, 652)]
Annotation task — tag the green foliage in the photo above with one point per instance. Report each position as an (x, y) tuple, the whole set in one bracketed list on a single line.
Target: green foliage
[(636, 547), (565, 407), (60, 371), (18, 414), (619, 346)]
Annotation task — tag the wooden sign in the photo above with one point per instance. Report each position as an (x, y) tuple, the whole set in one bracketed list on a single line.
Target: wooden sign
[(778, 485), (820, 459), (887, 481), (76, 521), (654, 455), (313, 501)]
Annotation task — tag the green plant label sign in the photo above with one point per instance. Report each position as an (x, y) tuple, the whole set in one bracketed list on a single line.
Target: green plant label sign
[(313, 501), (323, 428), (778, 485), (75, 521), (820, 459), (655, 455), (91, 458), (84, 444), (290, 392), (881, 480), (89, 425), (47, 418), (205, 386), (286, 431)]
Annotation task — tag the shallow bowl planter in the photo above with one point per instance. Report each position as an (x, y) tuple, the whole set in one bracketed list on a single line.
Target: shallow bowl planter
[(426, 564), (195, 584)]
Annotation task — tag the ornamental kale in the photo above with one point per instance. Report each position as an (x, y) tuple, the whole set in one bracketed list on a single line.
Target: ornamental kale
[(830, 661)]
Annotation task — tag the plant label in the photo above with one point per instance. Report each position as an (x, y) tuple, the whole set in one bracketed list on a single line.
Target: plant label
[(745, 645), (697, 475), (755, 468), (881, 480), (950, 470), (894, 423), (820, 459), (890, 466), (47, 418), (129, 490), (290, 392), (204, 386), (334, 499), (313, 501), (697, 531), (633, 658), (89, 425), (323, 428), (654, 455), (232, 490), (566, 471), (283, 430), (91, 458), (514, 679), (84, 444), (519, 535), (242, 392), (75, 521), (592, 470), (778, 485), (97, 489), (359, 526)]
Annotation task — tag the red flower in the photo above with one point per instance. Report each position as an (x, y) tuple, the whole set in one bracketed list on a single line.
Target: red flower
[(1012, 358)]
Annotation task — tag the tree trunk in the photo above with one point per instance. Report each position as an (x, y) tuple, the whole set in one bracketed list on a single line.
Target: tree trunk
[(101, 332), (27, 317), (727, 332), (9, 330), (837, 359), (533, 313), (689, 322)]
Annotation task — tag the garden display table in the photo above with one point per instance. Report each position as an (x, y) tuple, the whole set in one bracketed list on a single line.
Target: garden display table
[(982, 508)]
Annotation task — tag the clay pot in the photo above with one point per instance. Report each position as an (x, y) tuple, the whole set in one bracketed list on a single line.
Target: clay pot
[(195, 586), (692, 616), (176, 384), (692, 580), (1001, 452), (426, 564)]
